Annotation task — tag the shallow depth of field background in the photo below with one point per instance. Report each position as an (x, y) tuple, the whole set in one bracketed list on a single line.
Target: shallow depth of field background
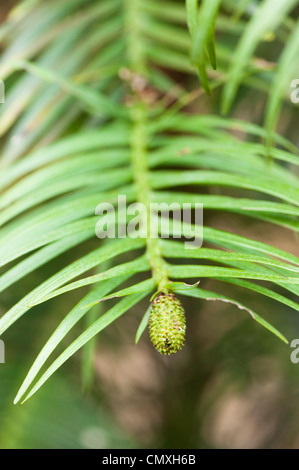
[(232, 386)]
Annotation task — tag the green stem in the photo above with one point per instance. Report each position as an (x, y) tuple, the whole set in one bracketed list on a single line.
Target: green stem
[(139, 139)]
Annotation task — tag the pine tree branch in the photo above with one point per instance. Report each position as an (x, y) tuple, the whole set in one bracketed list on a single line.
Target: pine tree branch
[(139, 140)]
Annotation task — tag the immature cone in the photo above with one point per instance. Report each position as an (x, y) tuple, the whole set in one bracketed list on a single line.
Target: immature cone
[(167, 323)]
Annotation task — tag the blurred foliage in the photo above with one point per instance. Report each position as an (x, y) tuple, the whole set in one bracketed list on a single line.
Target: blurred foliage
[(58, 419), (67, 67)]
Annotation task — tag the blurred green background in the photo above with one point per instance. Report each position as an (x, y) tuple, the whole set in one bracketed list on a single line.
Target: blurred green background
[(232, 386)]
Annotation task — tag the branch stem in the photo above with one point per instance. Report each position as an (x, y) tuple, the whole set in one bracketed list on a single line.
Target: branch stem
[(139, 115)]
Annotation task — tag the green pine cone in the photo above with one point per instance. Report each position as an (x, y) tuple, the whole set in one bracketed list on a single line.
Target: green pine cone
[(167, 323)]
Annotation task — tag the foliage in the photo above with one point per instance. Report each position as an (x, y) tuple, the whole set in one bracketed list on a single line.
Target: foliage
[(93, 111)]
